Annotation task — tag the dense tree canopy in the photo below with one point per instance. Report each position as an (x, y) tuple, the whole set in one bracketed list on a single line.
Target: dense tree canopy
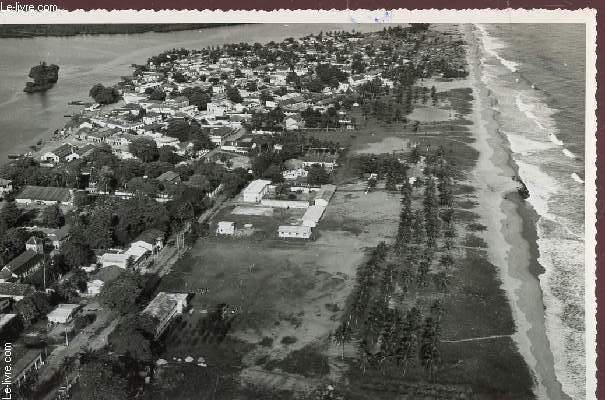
[(197, 97), (121, 294), (104, 95), (144, 148), (52, 216), (100, 380), (132, 337), (317, 175)]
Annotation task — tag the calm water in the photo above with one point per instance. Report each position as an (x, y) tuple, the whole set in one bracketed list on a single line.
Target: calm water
[(86, 60), (537, 72)]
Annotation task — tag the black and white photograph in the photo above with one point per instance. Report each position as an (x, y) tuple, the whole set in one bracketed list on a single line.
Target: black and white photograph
[(347, 206)]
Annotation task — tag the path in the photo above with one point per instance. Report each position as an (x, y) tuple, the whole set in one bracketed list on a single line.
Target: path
[(475, 339)]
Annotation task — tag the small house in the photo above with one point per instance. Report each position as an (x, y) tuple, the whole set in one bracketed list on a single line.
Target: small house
[(225, 228), (151, 240), (63, 314), (6, 186), (65, 152), (164, 308), (294, 231)]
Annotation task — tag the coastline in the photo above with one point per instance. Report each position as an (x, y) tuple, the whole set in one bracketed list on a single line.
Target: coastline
[(511, 234), (22, 32)]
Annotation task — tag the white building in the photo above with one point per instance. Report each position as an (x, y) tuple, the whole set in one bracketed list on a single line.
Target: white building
[(164, 308), (6, 186), (63, 314), (215, 109), (312, 216), (254, 192), (225, 228), (291, 124), (294, 231), (295, 173), (134, 253)]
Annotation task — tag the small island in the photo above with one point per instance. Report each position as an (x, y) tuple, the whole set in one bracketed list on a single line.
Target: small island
[(44, 76)]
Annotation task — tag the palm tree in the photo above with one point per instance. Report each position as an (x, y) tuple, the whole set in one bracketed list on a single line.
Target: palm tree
[(342, 335)]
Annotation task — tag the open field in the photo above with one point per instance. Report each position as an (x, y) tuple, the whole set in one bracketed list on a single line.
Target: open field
[(279, 288)]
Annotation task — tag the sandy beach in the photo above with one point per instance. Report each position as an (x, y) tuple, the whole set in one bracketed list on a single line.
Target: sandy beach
[(511, 234)]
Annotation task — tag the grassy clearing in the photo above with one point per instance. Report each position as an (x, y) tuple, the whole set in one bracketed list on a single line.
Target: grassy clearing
[(243, 274), (182, 380), (308, 361), (494, 367), (476, 305)]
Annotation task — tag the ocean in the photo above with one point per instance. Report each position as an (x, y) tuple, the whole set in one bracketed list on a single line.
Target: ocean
[(537, 74)]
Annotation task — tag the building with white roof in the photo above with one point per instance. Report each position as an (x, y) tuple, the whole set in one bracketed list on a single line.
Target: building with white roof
[(63, 314), (164, 308), (312, 216), (294, 231), (225, 228), (254, 192)]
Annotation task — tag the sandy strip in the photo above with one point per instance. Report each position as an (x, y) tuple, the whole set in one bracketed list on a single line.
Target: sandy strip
[(510, 234)]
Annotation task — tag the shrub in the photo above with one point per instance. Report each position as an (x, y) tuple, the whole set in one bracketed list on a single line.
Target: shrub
[(288, 340)]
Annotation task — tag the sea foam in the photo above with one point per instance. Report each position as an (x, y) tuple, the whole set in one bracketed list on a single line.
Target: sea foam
[(568, 153), (492, 45), (576, 178), (532, 132)]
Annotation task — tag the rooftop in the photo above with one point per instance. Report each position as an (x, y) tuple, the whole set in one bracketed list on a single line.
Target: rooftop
[(23, 260), (163, 304), (150, 236), (6, 318), (256, 186), (294, 228), (45, 193), (313, 213), (62, 312)]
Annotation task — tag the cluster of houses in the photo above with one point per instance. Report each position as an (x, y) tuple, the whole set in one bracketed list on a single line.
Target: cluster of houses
[(147, 243), (14, 287)]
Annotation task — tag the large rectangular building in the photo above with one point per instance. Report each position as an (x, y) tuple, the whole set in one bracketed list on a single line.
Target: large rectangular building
[(312, 216), (45, 195), (254, 192)]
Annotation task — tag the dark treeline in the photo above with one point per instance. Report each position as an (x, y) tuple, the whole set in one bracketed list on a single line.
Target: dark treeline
[(22, 30)]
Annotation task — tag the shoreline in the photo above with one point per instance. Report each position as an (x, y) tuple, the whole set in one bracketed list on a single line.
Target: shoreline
[(511, 221), (102, 29)]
